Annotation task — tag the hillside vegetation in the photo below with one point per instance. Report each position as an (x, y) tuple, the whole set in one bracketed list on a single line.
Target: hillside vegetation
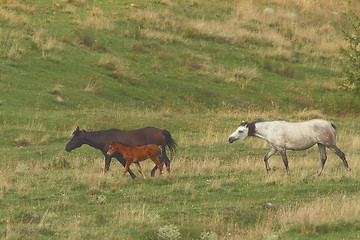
[(279, 55), (193, 67)]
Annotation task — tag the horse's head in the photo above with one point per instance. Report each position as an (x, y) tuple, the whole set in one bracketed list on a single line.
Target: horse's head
[(111, 149), (240, 133), (76, 141)]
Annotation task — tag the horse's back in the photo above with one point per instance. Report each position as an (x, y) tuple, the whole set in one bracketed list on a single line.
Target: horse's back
[(137, 137), (298, 135)]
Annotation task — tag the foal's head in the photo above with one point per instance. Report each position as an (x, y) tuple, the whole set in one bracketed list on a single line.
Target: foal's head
[(111, 149), (76, 141), (240, 133)]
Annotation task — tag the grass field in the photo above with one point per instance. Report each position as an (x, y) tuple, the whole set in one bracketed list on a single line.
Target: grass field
[(195, 68)]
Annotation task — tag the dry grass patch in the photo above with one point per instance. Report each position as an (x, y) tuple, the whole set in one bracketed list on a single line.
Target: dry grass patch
[(24, 140), (330, 211), (15, 5), (13, 18), (119, 69), (130, 214), (162, 36), (97, 23), (93, 86), (69, 9), (15, 52), (45, 43), (280, 26), (242, 76)]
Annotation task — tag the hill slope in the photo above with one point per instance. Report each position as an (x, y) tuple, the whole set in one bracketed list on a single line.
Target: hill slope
[(174, 54)]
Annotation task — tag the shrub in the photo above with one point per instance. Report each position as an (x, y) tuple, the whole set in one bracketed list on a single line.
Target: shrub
[(351, 65), (168, 232), (24, 140), (208, 236), (92, 86)]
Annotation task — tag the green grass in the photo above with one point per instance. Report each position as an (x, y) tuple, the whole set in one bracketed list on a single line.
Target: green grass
[(196, 68)]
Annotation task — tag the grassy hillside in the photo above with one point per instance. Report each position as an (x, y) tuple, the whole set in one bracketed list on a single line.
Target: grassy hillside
[(174, 54), (196, 68)]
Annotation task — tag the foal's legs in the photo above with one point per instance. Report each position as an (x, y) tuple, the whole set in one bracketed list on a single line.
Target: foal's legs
[(284, 158), (139, 169), (120, 158), (323, 157), (126, 167), (341, 155), (267, 156), (159, 164)]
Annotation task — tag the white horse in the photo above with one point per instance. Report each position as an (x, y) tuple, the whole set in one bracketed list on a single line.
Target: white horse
[(283, 135)]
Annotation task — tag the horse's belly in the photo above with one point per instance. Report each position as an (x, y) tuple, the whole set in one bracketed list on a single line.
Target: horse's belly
[(300, 145)]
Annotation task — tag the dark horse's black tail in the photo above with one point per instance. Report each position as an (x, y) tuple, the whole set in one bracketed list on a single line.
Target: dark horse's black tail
[(170, 142)]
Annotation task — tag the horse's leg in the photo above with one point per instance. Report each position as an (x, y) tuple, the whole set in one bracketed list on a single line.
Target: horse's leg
[(154, 170), (158, 163), (341, 155), (164, 158), (323, 157), (120, 158), (266, 158), (285, 159), (139, 169), (107, 163)]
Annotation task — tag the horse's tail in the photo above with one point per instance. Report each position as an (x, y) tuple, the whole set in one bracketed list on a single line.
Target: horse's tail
[(170, 142), (333, 125)]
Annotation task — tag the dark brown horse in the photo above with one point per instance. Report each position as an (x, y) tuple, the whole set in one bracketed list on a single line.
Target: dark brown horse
[(102, 139), (137, 154)]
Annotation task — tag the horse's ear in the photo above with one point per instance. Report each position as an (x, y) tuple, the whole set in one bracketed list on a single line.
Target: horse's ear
[(77, 131), (243, 123)]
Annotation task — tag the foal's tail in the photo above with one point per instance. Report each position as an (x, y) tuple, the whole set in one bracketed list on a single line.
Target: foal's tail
[(333, 125), (170, 142)]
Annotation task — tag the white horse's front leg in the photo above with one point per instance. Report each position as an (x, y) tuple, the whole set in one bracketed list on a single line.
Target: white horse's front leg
[(267, 156)]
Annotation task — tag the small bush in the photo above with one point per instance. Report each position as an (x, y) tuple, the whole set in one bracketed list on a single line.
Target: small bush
[(169, 232), (59, 163), (27, 217), (24, 140), (208, 236), (56, 90), (15, 52), (285, 70), (88, 38), (351, 65), (92, 86)]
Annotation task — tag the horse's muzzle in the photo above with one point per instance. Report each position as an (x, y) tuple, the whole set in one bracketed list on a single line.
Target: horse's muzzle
[(231, 139)]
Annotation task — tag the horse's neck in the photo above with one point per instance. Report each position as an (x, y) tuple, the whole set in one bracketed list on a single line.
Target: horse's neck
[(258, 131), (92, 139)]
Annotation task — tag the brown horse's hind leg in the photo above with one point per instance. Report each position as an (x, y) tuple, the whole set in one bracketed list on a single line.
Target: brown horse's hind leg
[(164, 158), (159, 164), (153, 171), (137, 164), (323, 157), (341, 155)]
